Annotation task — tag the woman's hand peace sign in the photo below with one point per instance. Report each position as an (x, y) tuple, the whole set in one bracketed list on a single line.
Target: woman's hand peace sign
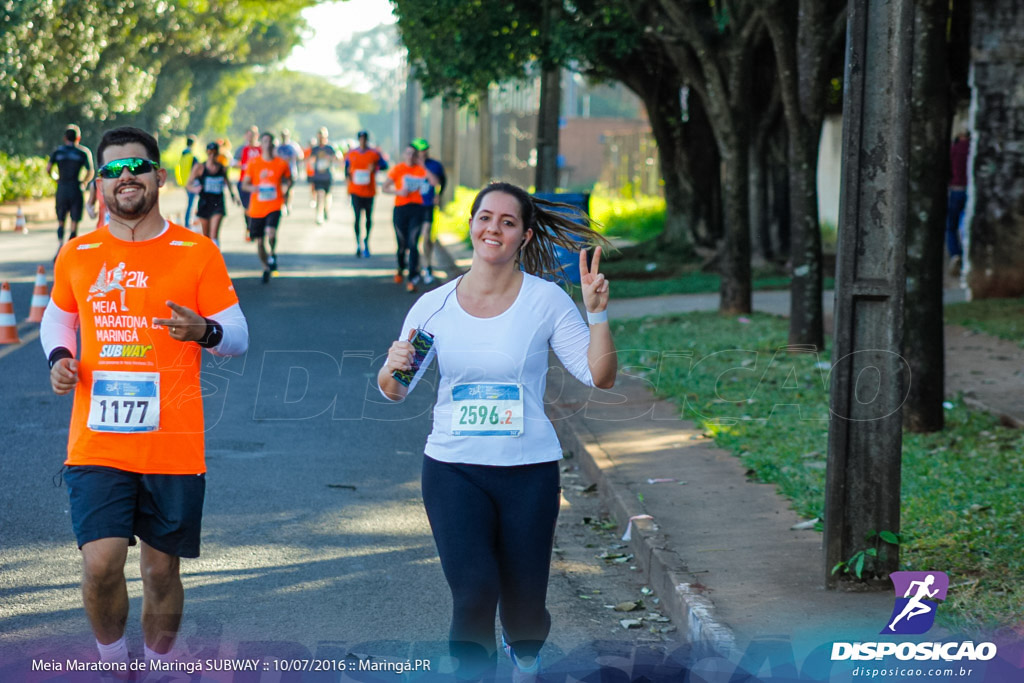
[(595, 286)]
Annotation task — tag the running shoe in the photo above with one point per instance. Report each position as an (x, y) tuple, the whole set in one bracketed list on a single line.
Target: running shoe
[(366, 250), (266, 276), (272, 261), (398, 277), (410, 287), (428, 277), (359, 252), (521, 673)]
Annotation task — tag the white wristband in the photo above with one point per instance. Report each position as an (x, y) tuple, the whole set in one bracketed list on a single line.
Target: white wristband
[(599, 317)]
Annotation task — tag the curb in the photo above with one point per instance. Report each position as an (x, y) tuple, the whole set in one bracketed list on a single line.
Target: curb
[(680, 598), (446, 262), (1005, 419)]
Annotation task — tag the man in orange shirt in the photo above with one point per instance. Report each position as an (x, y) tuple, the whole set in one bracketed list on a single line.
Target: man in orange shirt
[(148, 296), (361, 166), (268, 178)]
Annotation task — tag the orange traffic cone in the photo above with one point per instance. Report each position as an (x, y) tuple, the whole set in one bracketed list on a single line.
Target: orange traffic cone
[(40, 297), (20, 224), (8, 326)]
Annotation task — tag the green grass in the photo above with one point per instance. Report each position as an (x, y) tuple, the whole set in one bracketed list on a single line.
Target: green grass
[(635, 219), (1002, 318), (961, 489), (632, 278), (454, 218)]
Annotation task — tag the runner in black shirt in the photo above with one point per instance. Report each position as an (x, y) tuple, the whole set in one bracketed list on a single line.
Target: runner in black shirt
[(70, 158)]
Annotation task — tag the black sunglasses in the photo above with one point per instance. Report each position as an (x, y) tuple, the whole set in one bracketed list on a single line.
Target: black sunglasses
[(134, 165)]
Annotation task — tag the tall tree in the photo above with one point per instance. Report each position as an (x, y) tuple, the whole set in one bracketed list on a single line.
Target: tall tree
[(107, 62), (611, 41), (460, 48), (807, 36), (931, 119), (711, 45)]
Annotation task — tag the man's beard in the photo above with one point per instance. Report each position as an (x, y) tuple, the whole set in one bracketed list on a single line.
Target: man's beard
[(135, 208)]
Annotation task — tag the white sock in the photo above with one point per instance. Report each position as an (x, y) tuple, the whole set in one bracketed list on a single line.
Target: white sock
[(152, 655), (116, 651)]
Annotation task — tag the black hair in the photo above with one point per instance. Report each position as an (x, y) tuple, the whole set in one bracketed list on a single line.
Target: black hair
[(213, 146), (72, 133), (553, 224), (273, 140), (126, 135), (190, 141)]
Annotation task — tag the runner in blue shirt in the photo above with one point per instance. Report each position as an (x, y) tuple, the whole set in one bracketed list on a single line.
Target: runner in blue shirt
[(431, 201)]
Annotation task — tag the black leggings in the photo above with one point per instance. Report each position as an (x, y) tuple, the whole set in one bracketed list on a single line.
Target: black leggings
[(408, 220), (363, 205), (494, 528)]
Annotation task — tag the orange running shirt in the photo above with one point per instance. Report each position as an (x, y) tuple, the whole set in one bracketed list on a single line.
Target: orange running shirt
[(117, 288), (266, 176), (362, 171), (402, 174)]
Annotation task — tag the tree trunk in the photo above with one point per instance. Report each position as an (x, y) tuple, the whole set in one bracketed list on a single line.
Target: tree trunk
[(546, 179), (734, 252), (994, 219), (806, 323), (923, 344), (685, 151)]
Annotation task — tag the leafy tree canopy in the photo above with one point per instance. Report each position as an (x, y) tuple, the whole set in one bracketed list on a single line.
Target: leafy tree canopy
[(101, 60)]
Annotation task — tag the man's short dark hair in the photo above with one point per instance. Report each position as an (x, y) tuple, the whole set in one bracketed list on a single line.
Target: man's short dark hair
[(126, 135), (72, 133), (189, 141)]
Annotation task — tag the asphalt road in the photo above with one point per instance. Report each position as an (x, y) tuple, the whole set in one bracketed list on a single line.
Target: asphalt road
[(315, 543)]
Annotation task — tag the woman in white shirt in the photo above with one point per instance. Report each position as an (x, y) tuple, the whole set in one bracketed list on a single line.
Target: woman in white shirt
[(490, 475)]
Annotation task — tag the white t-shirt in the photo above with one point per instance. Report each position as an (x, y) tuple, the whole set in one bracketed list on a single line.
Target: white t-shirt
[(509, 349)]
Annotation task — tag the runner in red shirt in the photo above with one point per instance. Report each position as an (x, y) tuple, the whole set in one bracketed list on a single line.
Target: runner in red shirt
[(243, 155), (148, 296), (268, 178)]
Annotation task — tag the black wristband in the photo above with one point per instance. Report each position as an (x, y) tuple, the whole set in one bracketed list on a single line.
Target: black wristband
[(214, 334), (58, 353)]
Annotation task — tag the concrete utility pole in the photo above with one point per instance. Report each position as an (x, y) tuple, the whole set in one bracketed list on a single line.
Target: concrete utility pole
[(868, 376), (450, 149), (486, 139), (410, 106)]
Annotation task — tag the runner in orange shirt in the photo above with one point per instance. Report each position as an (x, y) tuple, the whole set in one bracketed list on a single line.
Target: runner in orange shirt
[(268, 178), (406, 181), (361, 166), (148, 296)]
